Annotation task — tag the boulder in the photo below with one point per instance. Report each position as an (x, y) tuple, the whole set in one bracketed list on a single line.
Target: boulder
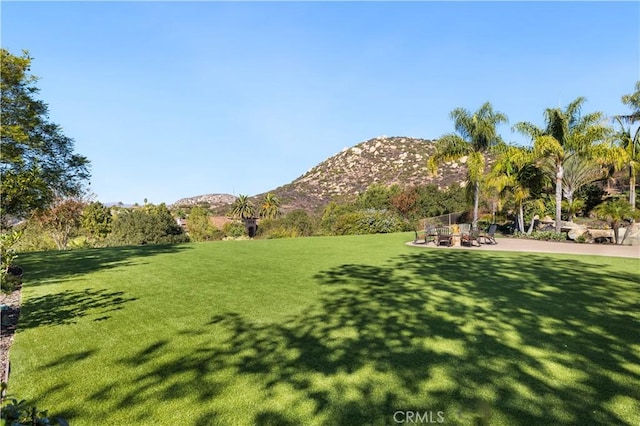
[(601, 235), (573, 230), (633, 237)]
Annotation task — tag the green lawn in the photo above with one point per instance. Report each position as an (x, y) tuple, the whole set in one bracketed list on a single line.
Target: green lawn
[(336, 330)]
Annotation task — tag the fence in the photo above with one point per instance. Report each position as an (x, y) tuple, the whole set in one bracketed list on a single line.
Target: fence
[(443, 219)]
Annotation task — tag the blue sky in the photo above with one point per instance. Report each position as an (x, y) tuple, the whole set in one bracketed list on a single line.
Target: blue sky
[(175, 99)]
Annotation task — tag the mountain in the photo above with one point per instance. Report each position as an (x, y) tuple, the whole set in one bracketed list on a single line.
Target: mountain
[(383, 160), (214, 200)]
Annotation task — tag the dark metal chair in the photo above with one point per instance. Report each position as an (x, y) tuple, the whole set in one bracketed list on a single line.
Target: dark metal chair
[(444, 236), (468, 238), (426, 236), (488, 237)]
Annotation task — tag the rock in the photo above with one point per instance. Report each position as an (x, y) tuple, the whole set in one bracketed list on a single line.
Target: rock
[(575, 232), (633, 237), (601, 235)]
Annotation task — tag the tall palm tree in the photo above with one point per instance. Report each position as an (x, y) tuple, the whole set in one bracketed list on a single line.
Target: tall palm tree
[(476, 134), (270, 207), (629, 154), (566, 133), (243, 208)]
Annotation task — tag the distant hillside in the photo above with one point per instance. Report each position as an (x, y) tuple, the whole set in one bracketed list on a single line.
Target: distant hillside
[(214, 200), (384, 160)]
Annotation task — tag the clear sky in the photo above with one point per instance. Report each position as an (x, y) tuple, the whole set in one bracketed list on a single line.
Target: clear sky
[(175, 99)]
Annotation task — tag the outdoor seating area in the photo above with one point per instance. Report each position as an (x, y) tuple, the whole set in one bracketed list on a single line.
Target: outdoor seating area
[(456, 235)]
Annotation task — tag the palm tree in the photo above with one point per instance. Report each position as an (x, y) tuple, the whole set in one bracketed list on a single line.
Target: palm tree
[(243, 208), (629, 154), (476, 134), (270, 207), (578, 172), (615, 212), (633, 101), (566, 133), (514, 172)]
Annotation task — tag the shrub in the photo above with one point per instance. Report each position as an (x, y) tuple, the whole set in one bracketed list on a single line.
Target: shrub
[(19, 413), (582, 238), (234, 229), (198, 226), (548, 236), (369, 222), (147, 225), (298, 223)]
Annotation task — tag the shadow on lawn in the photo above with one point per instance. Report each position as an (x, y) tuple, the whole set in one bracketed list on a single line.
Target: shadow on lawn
[(67, 306), (45, 268), (530, 339)]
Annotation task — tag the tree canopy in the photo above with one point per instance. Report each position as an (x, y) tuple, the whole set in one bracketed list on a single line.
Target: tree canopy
[(37, 161)]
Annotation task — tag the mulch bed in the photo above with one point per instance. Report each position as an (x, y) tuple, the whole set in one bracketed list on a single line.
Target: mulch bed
[(8, 325)]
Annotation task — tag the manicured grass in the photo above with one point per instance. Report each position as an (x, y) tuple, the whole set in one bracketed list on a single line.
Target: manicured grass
[(342, 330)]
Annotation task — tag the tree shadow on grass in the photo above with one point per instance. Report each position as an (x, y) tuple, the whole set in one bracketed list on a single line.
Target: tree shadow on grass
[(45, 268), (67, 306), (484, 339)]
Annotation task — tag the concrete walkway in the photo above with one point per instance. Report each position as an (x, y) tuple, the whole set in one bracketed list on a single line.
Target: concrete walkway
[(534, 246)]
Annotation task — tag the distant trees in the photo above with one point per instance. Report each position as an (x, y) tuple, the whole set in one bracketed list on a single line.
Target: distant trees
[(37, 161), (476, 134)]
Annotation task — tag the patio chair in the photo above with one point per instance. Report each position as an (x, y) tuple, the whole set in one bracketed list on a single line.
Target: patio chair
[(464, 228), (426, 236), (430, 235), (469, 237), (488, 237), (444, 236)]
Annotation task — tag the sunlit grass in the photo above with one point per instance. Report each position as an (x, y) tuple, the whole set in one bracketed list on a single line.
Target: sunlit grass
[(343, 330)]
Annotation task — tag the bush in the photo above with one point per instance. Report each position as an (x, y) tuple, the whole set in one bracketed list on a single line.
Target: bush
[(198, 226), (369, 222), (20, 414), (147, 225), (546, 236), (234, 229), (298, 223)]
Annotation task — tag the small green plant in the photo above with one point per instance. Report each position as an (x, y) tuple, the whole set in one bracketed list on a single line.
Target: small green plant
[(19, 413), (543, 235), (548, 236), (7, 256), (582, 238)]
